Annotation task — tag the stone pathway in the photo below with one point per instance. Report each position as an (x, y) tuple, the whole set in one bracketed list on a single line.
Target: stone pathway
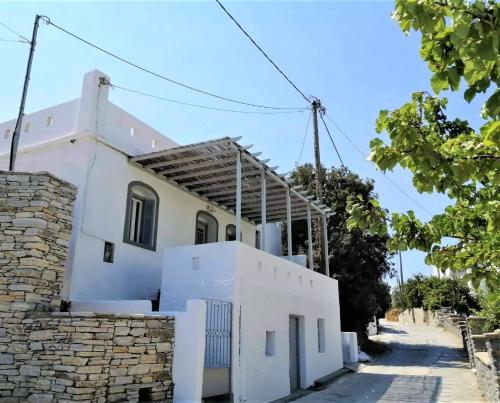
[(426, 364)]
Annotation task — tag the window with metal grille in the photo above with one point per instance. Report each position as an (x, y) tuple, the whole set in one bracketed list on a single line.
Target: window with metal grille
[(141, 216)]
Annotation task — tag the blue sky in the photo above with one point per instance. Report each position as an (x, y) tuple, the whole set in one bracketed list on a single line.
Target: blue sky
[(351, 55)]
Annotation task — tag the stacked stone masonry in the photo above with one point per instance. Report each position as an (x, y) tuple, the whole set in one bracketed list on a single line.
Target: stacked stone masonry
[(52, 356), (36, 213), (95, 357), (483, 350), (481, 346)]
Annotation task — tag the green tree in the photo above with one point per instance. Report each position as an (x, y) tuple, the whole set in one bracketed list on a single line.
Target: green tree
[(432, 293), (460, 43), (490, 309), (358, 260)]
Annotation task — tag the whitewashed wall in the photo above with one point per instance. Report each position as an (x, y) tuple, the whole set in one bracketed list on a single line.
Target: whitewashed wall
[(136, 272), (189, 352), (265, 291), (98, 166)]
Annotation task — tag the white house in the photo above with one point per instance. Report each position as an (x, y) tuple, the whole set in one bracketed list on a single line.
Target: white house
[(158, 221)]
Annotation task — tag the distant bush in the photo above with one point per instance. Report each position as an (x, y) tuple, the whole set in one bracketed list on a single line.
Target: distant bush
[(392, 315), (432, 293)]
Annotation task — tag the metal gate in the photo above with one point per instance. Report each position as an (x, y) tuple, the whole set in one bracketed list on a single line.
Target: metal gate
[(218, 334)]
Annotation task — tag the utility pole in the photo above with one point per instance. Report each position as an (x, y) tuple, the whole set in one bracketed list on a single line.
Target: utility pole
[(316, 104), (401, 268), (19, 123)]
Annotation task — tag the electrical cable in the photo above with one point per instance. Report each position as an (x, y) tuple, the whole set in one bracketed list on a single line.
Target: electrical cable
[(331, 139), (304, 140), (299, 110), (12, 40), (26, 40), (262, 51), (383, 173), (146, 70)]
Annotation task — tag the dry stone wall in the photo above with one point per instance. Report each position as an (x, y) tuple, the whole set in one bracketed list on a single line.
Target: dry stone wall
[(417, 316), (52, 356), (36, 213), (97, 357), (483, 350), (482, 347)]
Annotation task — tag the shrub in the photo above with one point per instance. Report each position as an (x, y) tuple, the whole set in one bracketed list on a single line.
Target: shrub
[(490, 308)]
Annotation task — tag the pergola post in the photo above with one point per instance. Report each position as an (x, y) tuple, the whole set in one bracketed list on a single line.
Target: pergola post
[(325, 243), (238, 196), (309, 238), (263, 207), (289, 223)]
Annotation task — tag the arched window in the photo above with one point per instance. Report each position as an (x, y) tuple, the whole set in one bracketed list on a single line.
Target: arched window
[(207, 228), (141, 217), (230, 232)]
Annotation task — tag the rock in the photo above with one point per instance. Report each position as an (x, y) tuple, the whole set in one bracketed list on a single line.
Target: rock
[(139, 369), (29, 370), (41, 335)]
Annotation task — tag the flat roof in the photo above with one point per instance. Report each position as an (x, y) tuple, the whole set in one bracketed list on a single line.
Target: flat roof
[(208, 170)]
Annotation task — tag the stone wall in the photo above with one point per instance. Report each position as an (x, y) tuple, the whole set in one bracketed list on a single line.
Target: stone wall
[(483, 350), (95, 357), (417, 316), (52, 356), (36, 212)]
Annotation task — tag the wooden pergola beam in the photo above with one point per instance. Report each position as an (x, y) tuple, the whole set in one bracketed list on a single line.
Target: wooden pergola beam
[(193, 158), (192, 147), (222, 178)]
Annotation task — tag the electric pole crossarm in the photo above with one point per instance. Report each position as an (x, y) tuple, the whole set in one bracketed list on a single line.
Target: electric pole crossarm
[(19, 122)]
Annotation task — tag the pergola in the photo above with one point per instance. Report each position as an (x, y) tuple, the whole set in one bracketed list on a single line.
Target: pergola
[(225, 173)]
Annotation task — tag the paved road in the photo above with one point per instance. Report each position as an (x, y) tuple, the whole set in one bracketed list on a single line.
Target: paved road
[(426, 365)]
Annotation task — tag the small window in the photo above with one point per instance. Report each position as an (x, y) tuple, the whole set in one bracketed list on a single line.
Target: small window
[(141, 216), (231, 233), (321, 336), (133, 131), (109, 252), (257, 239), (6, 134), (27, 127), (154, 144), (50, 120), (207, 228), (270, 343)]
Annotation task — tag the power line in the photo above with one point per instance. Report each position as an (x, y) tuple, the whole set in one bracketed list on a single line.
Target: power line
[(262, 51), (12, 40), (304, 139), (24, 39), (331, 139), (299, 110), (365, 157), (158, 75)]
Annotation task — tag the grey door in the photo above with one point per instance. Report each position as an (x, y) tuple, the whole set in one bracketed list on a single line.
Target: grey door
[(294, 353)]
